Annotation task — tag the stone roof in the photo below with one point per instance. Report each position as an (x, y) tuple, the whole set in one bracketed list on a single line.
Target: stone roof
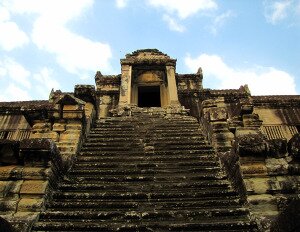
[(148, 56), (25, 105)]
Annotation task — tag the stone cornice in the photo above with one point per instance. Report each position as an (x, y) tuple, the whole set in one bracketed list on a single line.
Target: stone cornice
[(148, 57), (277, 101)]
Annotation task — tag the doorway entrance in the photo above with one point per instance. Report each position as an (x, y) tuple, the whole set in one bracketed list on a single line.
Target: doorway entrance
[(149, 96)]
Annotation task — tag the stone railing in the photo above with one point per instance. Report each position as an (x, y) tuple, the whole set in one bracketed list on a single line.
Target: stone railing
[(15, 134)]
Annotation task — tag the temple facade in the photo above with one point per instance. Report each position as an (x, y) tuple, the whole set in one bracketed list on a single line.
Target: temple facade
[(231, 146)]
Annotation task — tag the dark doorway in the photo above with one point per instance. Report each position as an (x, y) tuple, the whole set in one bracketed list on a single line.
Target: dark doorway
[(149, 96)]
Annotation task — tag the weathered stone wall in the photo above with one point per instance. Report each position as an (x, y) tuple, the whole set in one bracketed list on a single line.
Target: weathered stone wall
[(107, 91), (261, 162), (28, 173)]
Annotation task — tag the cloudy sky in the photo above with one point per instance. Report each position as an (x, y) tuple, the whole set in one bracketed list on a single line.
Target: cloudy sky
[(47, 44)]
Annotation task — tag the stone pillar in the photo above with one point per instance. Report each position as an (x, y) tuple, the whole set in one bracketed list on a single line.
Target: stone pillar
[(125, 88), (172, 88)]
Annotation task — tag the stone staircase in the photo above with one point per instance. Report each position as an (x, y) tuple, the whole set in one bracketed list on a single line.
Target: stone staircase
[(145, 173)]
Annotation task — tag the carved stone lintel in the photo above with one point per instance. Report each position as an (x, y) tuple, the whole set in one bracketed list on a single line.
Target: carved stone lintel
[(251, 144)]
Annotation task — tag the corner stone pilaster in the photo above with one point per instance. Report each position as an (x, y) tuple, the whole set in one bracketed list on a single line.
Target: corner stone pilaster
[(215, 123), (125, 88)]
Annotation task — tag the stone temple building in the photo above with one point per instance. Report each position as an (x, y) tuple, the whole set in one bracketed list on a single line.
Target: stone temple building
[(150, 150)]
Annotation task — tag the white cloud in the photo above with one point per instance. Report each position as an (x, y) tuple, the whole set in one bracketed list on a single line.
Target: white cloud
[(278, 10), (45, 82), (73, 52), (173, 24), (11, 36), (184, 8), (14, 93), (261, 80), (121, 3), (220, 20), (14, 71)]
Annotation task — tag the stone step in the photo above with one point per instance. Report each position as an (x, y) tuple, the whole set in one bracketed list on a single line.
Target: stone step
[(112, 139), (145, 215), (174, 129), (183, 146), (96, 204), (147, 164), (149, 177), (144, 171), (116, 144), (115, 129), (174, 151), (97, 185), (148, 196), (124, 134), (109, 148), (177, 133), (176, 225), (155, 140), (138, 157)]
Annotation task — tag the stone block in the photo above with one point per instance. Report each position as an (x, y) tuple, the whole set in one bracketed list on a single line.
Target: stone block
[(3, 187), (260, 185), (254, 169), (251, 145), (74, 126), (249, 186), (219, 126), (41, 127), (277, 166), (70, 136), (246, 105), (218, 114), (8, 204), (71, 107), (106, 100), (7, 172), (262, 199), (294, 146), (288, 184), (277, 148), (89, 110), (223, 136), (294, 169), (23, 221), (59, 127), (47, 135), (35, 173), (241, 131), (10, 188), (38, 152), (72, 115), (9, 152), (30, 204), (69, 149), (34, 187), (208, 103)]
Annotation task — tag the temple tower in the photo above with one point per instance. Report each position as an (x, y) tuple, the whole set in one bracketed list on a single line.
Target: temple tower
[(148, 79)]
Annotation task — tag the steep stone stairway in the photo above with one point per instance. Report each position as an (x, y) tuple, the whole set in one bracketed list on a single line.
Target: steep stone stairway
[(146, 173)]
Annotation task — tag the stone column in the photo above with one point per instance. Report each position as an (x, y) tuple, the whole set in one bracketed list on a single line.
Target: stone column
[(125, 88), (172, 88)]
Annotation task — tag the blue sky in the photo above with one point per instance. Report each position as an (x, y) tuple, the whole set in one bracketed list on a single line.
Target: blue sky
[(47, 44)]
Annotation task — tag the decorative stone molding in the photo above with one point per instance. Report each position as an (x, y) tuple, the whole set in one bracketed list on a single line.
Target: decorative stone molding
[(215, 121)]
